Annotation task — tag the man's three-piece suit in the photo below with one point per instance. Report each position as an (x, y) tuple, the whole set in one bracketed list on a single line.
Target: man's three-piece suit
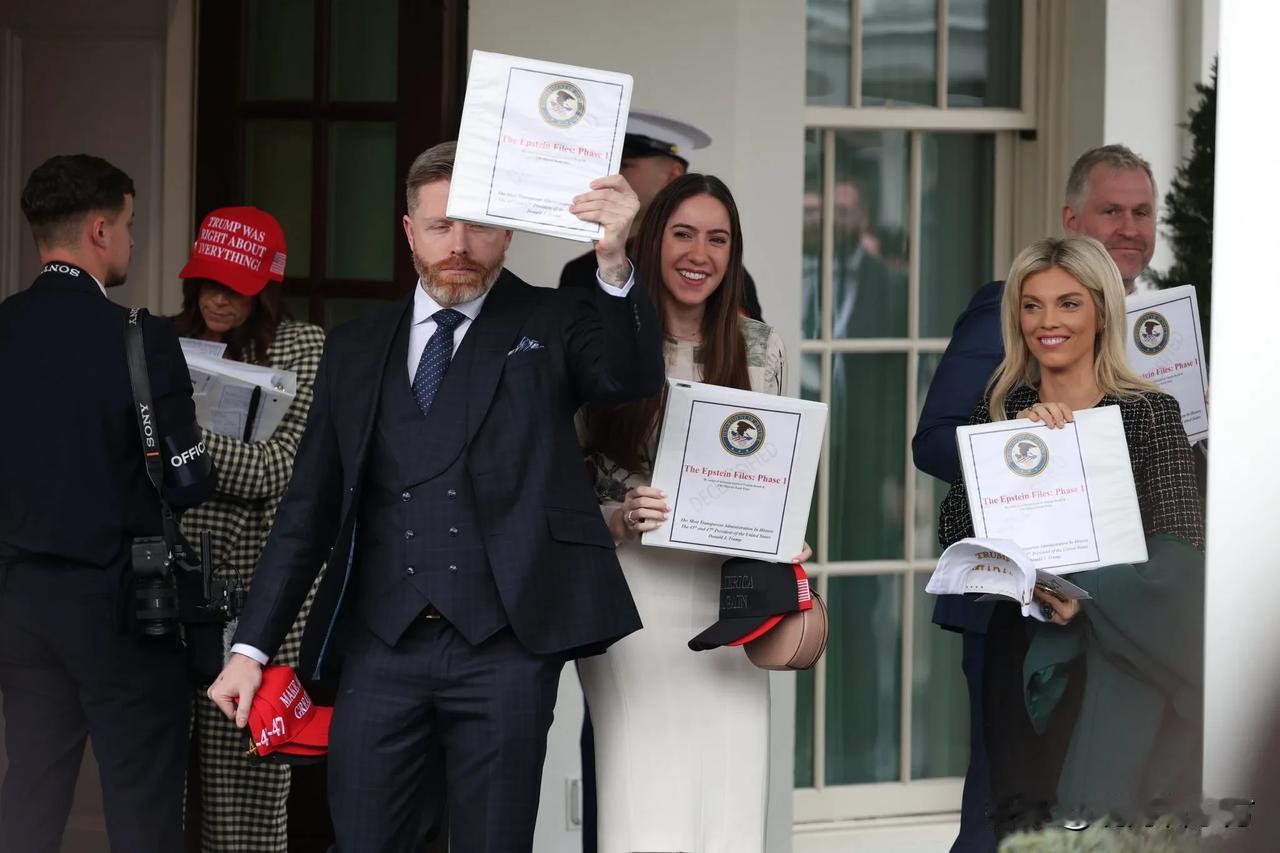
[(478, 511)]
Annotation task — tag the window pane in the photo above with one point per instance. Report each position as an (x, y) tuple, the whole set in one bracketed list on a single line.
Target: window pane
[(899, 52), (868, 452), (299, 308), (805, 681), (811, 259), (929, 491), (828, 51), (811, 389), (277, 178), (864, 671), (957, 225), (280, 50), (362, 199), (984, 53), (871, 227), (939, 694), (338, 310), (362, 65)]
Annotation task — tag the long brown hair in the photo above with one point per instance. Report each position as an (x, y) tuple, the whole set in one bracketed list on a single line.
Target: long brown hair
[(251, 340), (622, 432)]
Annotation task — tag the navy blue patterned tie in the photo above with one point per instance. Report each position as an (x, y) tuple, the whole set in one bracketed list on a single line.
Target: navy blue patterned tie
[(435, 357)]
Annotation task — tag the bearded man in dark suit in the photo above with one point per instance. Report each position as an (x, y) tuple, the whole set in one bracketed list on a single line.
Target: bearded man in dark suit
[(441, 480)]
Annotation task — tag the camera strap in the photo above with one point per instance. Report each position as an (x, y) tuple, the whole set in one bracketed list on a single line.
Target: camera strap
[(148, 429)]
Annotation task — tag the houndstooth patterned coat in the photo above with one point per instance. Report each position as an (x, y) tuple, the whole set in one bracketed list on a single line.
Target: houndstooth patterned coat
[(243, 804)]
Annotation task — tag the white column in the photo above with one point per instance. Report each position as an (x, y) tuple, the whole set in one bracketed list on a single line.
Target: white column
[(1144, 100), (1242, 650)]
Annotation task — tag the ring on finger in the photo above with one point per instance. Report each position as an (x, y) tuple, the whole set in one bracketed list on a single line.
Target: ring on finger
[(629, 518)]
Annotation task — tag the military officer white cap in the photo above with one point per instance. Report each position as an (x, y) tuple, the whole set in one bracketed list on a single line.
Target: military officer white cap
[(650, 133)]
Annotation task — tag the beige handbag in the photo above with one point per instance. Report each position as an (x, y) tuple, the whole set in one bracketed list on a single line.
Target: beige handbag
[(794, 643)]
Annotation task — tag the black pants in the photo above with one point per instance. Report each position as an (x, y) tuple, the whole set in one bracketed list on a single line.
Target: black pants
[(1024, 765), (976, 835), (434, 701), (68, 672)]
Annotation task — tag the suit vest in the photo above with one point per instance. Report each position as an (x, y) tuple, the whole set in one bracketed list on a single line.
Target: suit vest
[(418, 536)]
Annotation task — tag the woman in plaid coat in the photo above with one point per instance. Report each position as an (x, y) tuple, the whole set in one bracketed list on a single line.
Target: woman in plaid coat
[(231, 295)]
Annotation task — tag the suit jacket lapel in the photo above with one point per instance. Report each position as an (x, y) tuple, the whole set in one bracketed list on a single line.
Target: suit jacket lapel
[(496, 328), (369, 365)]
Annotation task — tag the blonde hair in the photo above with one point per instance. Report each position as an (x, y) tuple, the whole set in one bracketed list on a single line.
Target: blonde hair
[(1085, 260)]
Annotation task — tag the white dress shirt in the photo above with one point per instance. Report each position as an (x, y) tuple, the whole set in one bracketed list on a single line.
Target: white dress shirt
[(423, 326), (421, 330)]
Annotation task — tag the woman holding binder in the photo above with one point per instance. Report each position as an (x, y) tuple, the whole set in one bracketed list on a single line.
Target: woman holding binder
[(681, 737), (231, 295), (1063, 324)]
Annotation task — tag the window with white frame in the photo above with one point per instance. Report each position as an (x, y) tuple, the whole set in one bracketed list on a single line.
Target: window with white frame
[(913, 109)]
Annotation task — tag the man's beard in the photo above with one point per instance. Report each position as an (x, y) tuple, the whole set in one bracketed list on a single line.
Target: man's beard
[(450, 289)]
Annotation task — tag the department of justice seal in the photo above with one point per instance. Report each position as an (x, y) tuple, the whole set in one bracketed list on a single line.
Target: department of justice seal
[(742, 434), (1151, 333), (562, 104), (1026, 454)]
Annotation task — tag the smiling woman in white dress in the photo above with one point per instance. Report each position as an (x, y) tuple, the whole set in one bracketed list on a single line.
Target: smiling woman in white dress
[(681, 737)]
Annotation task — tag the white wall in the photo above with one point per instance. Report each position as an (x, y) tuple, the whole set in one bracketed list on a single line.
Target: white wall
[(736, 69), (107, 79), (1143, 100), (1132, 66), (1242, 656)]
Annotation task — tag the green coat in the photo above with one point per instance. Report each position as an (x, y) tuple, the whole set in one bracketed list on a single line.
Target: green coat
[(1140, 730)]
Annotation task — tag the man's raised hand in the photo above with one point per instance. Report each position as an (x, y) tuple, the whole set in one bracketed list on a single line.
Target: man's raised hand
[(612, 203)]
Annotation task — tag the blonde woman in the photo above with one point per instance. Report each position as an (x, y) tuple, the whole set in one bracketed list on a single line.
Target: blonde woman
[(1062, 321)]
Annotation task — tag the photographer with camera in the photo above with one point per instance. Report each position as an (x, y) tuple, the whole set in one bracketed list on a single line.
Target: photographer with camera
[(91, 567), (231, 294)]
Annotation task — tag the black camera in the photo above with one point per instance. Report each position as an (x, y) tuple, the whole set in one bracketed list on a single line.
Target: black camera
[(155, 589), (177, 587)]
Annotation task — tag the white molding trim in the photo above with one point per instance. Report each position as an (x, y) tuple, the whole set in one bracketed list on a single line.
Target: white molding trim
[(919, 118), (916, 800), (10, 160), (177, 147), (841, 827)]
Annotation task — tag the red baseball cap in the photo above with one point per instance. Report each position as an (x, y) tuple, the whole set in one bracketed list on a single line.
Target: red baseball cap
[(241, 247), (285, 726)]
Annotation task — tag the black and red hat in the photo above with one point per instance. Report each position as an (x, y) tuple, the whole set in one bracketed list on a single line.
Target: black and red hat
[(285, 726), (754, 596)]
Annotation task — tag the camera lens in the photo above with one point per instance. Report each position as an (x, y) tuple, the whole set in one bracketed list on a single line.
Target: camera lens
[(155, 606)]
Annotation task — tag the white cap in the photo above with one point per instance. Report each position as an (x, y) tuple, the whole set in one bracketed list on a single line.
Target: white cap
[(993, 566), (996, 567), (650, 133)]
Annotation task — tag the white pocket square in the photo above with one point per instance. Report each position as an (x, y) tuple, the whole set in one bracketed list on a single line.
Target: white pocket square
[(525, 345)]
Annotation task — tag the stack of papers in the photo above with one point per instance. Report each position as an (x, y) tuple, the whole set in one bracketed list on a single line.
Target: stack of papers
[(243, 401)]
